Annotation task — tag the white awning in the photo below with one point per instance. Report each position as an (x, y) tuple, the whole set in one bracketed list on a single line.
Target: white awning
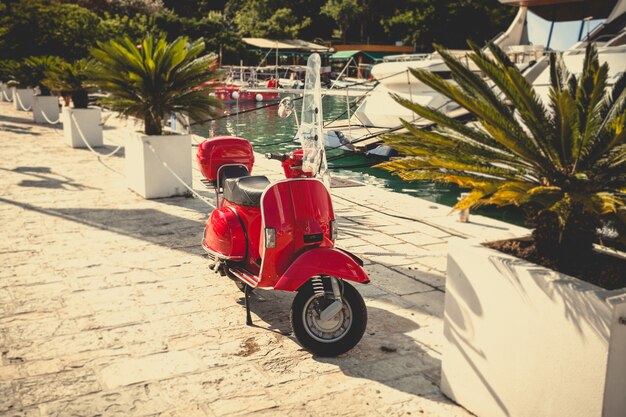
[(294, 44)]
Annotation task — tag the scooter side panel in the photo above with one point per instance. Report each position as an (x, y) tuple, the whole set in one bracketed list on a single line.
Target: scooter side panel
[(321, 261), (251, 219), (300, 211), (224, 235)]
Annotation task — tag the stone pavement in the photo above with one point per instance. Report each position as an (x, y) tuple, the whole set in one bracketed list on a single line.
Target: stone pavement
[(107, 307)]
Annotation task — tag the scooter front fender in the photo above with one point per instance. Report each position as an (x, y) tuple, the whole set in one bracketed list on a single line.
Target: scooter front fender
[(321, 261)]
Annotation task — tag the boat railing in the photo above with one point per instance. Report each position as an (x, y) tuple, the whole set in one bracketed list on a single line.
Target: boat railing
[(406, 57)]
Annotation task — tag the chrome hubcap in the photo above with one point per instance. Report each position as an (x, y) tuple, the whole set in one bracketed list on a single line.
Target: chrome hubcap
[(326, 330)]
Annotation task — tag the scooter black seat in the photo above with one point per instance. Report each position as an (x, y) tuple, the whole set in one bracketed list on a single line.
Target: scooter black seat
[(245, 191)]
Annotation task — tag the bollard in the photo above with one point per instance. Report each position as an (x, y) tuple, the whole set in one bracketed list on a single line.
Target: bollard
[(464, 214)]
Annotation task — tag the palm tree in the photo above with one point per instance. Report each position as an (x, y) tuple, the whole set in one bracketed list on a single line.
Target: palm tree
[(30, 72), (566, 163), (35, 68), (72, 78), (155, 78)]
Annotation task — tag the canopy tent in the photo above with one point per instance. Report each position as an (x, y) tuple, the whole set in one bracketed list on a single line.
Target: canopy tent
[(374, 56), (344, 54), (290, 44)]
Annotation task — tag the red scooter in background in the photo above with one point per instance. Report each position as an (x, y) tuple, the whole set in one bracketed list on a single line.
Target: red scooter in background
[(282, 235)]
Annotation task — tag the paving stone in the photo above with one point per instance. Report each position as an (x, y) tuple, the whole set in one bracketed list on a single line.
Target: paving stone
[(194, 410), (244, 404), (8, 397), (9, 372), (41, 389), (381, 239), (158, 366), (394, 281), (420, 239), (437, 263), (422, 274), (431, 301)]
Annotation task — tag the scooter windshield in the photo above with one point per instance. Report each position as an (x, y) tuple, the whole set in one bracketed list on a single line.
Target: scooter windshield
[(310, 132)]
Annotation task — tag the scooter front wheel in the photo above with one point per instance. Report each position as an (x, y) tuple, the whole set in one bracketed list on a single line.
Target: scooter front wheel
[(336, 335)]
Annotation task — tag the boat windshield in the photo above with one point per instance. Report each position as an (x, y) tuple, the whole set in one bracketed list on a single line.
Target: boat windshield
[(559, 36)]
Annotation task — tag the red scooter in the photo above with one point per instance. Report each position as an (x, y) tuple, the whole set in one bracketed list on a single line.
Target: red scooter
[(282, 236)]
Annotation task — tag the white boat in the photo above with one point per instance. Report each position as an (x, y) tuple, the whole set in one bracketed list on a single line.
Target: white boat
[(609, 37), (351, 83), (380, 113)]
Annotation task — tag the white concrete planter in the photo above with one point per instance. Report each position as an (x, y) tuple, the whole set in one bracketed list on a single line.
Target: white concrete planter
[(525, 341), (145, 173), (82, 125), (23, 98), (46, 109), (6, 92)]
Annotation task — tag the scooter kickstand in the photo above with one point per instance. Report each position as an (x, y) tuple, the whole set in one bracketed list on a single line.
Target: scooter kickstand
[(247, 296)]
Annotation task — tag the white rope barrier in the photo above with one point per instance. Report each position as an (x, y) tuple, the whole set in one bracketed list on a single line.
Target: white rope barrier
[(80, 133), (194, 192), (43, 113), (19, 101), (4, 93)]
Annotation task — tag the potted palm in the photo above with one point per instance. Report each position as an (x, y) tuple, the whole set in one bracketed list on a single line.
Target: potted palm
[(81, 123), (45, 106), (149, 81), (21, 84), (525, 337)]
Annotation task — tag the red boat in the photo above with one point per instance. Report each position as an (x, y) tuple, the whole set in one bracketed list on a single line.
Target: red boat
[(232, 93)]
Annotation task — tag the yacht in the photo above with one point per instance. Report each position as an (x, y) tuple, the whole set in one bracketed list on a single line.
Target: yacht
[(540, 27)]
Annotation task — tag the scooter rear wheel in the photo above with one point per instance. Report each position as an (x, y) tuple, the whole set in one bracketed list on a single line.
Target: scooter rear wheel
[(331, 337)]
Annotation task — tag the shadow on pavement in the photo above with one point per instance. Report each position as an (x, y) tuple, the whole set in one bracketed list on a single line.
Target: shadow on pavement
[(22, 120), (46, 178), (150, 225), (386, 354)]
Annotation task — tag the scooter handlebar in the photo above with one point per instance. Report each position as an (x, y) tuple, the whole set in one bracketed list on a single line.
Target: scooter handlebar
[(282, 157)]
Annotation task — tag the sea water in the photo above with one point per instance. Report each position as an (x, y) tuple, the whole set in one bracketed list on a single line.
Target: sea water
[(261, 125)]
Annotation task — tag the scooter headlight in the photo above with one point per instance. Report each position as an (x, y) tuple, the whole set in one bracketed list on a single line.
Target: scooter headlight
[(270, 237), (333, 229)]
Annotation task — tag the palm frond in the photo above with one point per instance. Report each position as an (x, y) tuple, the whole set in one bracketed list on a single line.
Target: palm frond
[(156, 79)]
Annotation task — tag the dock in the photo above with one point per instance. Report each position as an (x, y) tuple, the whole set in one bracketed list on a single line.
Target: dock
[(107, 305)]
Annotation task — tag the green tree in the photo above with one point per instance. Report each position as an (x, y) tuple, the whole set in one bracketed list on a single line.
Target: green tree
[(268, 19), (447, 22), (120, 26), (40, 27), (155, 78), (126, 7), (344, 13), (565, 163), (194, 8), (218, 33)]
